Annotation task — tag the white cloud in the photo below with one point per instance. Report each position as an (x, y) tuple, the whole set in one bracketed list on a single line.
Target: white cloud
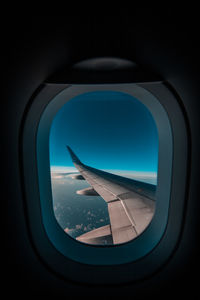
[(79, 226), (62, 169), (69, 230)]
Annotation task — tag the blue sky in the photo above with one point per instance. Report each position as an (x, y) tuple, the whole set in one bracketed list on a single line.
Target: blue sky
[(107, 130)]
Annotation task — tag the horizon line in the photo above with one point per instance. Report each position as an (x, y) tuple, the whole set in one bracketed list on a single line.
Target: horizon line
[(72, 168)]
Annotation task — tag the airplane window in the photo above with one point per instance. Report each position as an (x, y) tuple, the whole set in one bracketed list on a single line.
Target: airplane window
[(103, 150), (104, 183)]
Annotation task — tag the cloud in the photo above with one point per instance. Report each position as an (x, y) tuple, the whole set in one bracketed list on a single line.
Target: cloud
[(59, 169), (79, 226), (88, 227), (69, 230), (90, 214), (72, 230), (57, 176)]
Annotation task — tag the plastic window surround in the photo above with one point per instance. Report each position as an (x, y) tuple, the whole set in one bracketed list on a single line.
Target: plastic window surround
[(145, 242), (171, 128)]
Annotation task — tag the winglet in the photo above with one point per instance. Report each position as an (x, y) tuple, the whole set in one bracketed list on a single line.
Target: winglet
[(75, 159)]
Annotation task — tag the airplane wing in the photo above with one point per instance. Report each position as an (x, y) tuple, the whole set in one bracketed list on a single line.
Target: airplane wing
[(131, 204)]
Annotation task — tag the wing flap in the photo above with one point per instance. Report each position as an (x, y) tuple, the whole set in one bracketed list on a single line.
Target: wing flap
[(140, 210), (97, 236), (121, 226)]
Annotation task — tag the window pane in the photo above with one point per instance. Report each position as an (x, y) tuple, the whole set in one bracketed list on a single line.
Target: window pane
[(115, 133)]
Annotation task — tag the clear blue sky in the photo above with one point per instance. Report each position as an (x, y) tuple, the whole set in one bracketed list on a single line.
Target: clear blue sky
[(107, 130)]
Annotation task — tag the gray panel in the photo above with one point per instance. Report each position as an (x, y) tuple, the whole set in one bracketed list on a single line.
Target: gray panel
[(122, 229)]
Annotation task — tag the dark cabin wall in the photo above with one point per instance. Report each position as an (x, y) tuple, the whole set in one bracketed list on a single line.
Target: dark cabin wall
[(37, 47)]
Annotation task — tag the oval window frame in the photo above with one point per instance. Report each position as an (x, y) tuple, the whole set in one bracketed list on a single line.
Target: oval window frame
[(131, 252)]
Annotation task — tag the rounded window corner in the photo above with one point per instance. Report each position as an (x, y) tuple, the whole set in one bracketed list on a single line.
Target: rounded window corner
[(172, 136)]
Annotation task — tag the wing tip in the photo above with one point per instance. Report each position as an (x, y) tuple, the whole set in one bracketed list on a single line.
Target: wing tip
[(73, 155)]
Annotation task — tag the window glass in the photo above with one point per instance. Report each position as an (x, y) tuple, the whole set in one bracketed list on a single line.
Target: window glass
[(115, 133)]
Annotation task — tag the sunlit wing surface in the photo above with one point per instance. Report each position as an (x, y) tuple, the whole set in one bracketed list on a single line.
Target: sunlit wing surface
[(131, 204)]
